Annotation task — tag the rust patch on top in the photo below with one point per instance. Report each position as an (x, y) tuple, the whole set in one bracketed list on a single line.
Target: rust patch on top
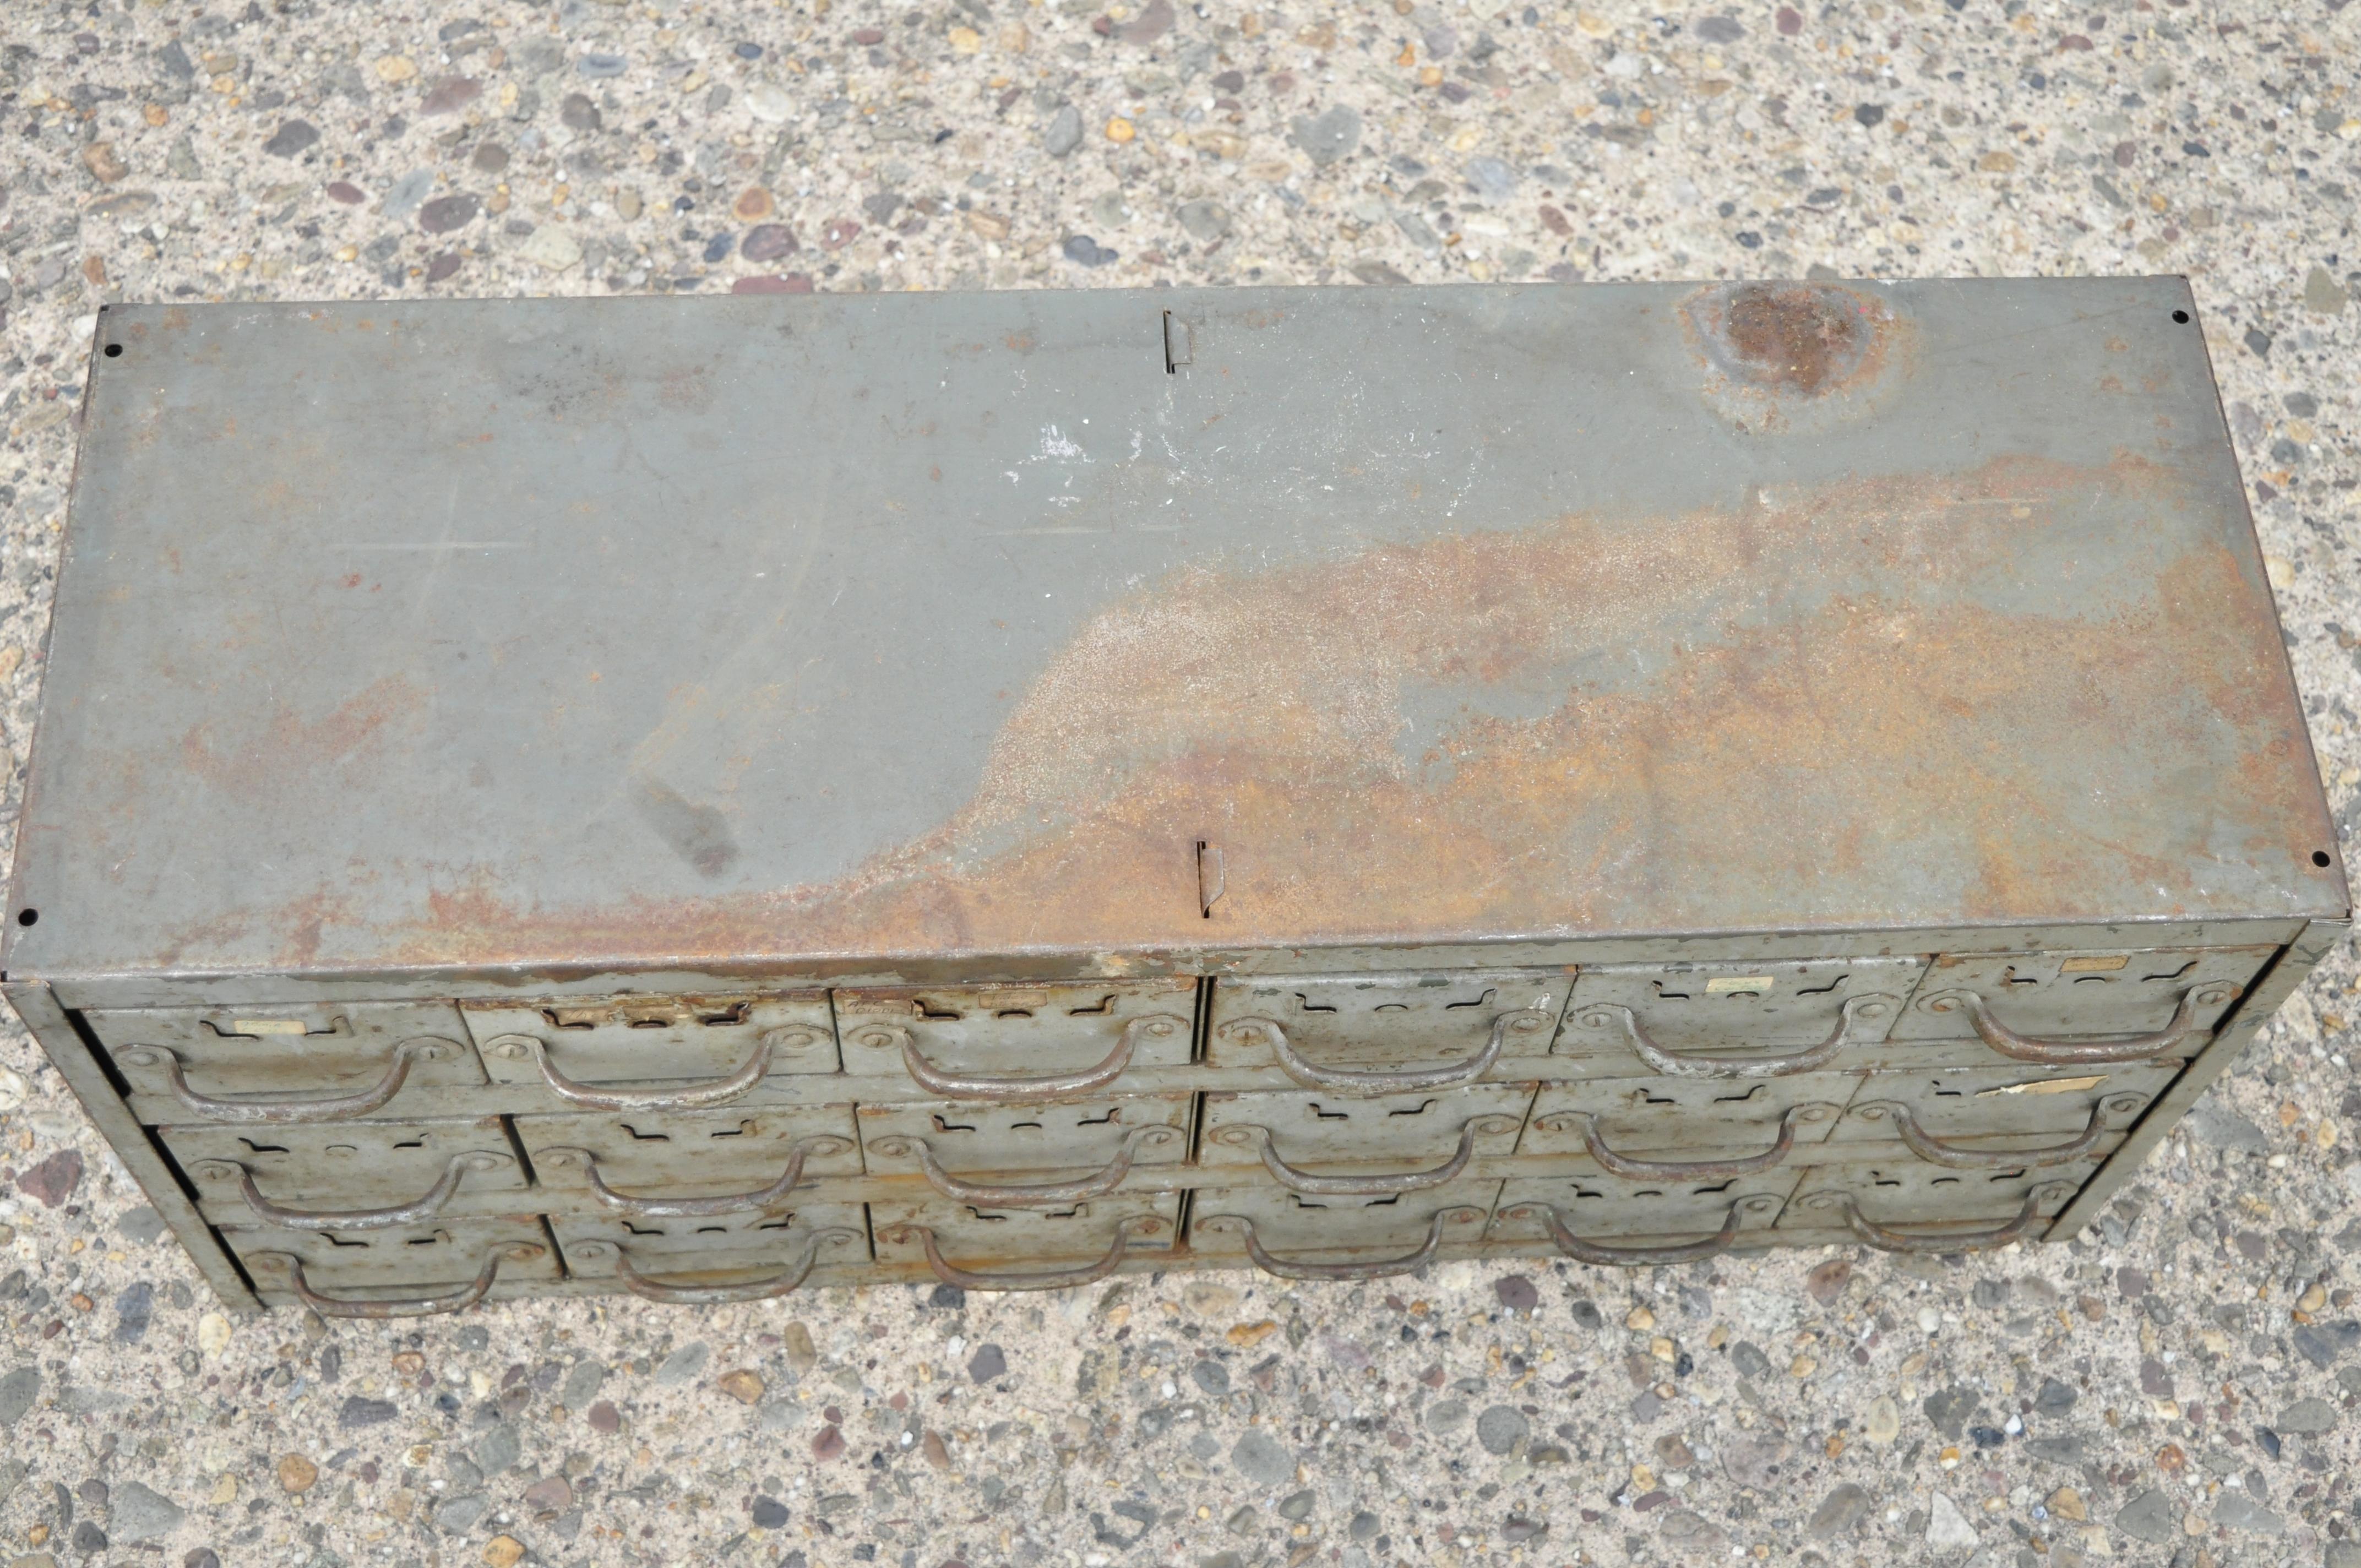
[(1774, 349)]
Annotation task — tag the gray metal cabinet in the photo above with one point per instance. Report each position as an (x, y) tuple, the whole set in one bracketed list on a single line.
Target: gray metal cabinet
[(1667, 788)]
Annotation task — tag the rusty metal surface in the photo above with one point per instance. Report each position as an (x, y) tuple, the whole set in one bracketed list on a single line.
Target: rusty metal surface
[(865, 635)]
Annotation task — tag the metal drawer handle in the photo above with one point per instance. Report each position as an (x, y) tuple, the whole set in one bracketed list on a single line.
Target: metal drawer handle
[(1374, 1269), (696, 1207), (778, 1284), (1682, 1170), (720, 1092), (1601, 1015), (1239, 1134), (272, 1112), (1018, 1091), (1935, 1151), (1879, 1236), (401, 1306), (2075, 1053), (1096, 1185), (1346, 1080), (1581, 1251), (1057, 1279), (425, 1207)]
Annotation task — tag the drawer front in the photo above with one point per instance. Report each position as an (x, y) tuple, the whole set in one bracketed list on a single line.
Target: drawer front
[(1009, 1244), (1310, 1130), (1999, 1108), (445, 1252), (1014, 1142), (705, 1251), (1598, 1207), (642, 1039), (1291, 1228), (687, 1153), (1630, 1017), (2082, 994), (318, 1168), (1894, 1187), (286, 1056), (1017, 1042), (1685, 1118), (1433, 1023)]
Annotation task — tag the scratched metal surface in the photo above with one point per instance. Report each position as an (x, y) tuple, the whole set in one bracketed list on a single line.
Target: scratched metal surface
[(841, 634)]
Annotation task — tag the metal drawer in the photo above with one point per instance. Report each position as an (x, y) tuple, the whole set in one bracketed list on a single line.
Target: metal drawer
[(1619, 1123), (2174, 995), (1025, 1154), (1979, 1116), (1896, 1201), (635, 1053), (1380, 1034), (1311, 1142), (1719, 1020), (268, 1064), (1013, 1248), (1338, 1238), (1017, 1044), (1612, 1220), (744, 1257), (409, 1270), (646, 1163), (345, 1174)]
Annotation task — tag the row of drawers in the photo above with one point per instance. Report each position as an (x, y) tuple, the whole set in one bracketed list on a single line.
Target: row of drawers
[(646, 1164), (1344, 1034), (1595, 1218)]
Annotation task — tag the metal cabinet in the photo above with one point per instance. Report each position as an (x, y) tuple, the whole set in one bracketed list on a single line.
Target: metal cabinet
[(1165, 818)]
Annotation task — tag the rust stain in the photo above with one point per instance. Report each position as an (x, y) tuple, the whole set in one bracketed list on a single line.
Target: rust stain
[(1773, 348), (1825, 724), (291, 741)]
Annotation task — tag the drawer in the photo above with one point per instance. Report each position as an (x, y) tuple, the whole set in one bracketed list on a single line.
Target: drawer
[(1983, 1112), (1706, 1019), (270, 1065), (986, 1153), (978, 1247), (1892, 1200), (1591, 1215), (2178, 991), (641, 1162), (1296, 1236), (1386, 1033), (432, 1267), (1311, 1141), (1612, 1121), (655, 1052), (743, 1258), (345, 1174), (1017, 1044)]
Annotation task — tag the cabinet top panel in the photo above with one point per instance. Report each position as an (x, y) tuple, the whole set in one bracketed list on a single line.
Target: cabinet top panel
[(855, 632)]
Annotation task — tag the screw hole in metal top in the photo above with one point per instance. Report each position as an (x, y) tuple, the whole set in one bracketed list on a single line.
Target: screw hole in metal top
[(2321, 858), (2180, 316), (115, 351), (29, 917)]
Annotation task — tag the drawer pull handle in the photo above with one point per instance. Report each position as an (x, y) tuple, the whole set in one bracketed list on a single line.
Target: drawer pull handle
[(1346, 1081), (1096, 1185), (1373, 1268), (718, 1092), (1018, 1091), (1055, 1279), (779, 1284), (1935, 1151), (275, 1112), (1685, 1169), (1602, 1015), (1581, 1251), (1238, 1134), (1885, 1240), (401, 1306), (425, 1207), (2075, 1053), (696, 1207)]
